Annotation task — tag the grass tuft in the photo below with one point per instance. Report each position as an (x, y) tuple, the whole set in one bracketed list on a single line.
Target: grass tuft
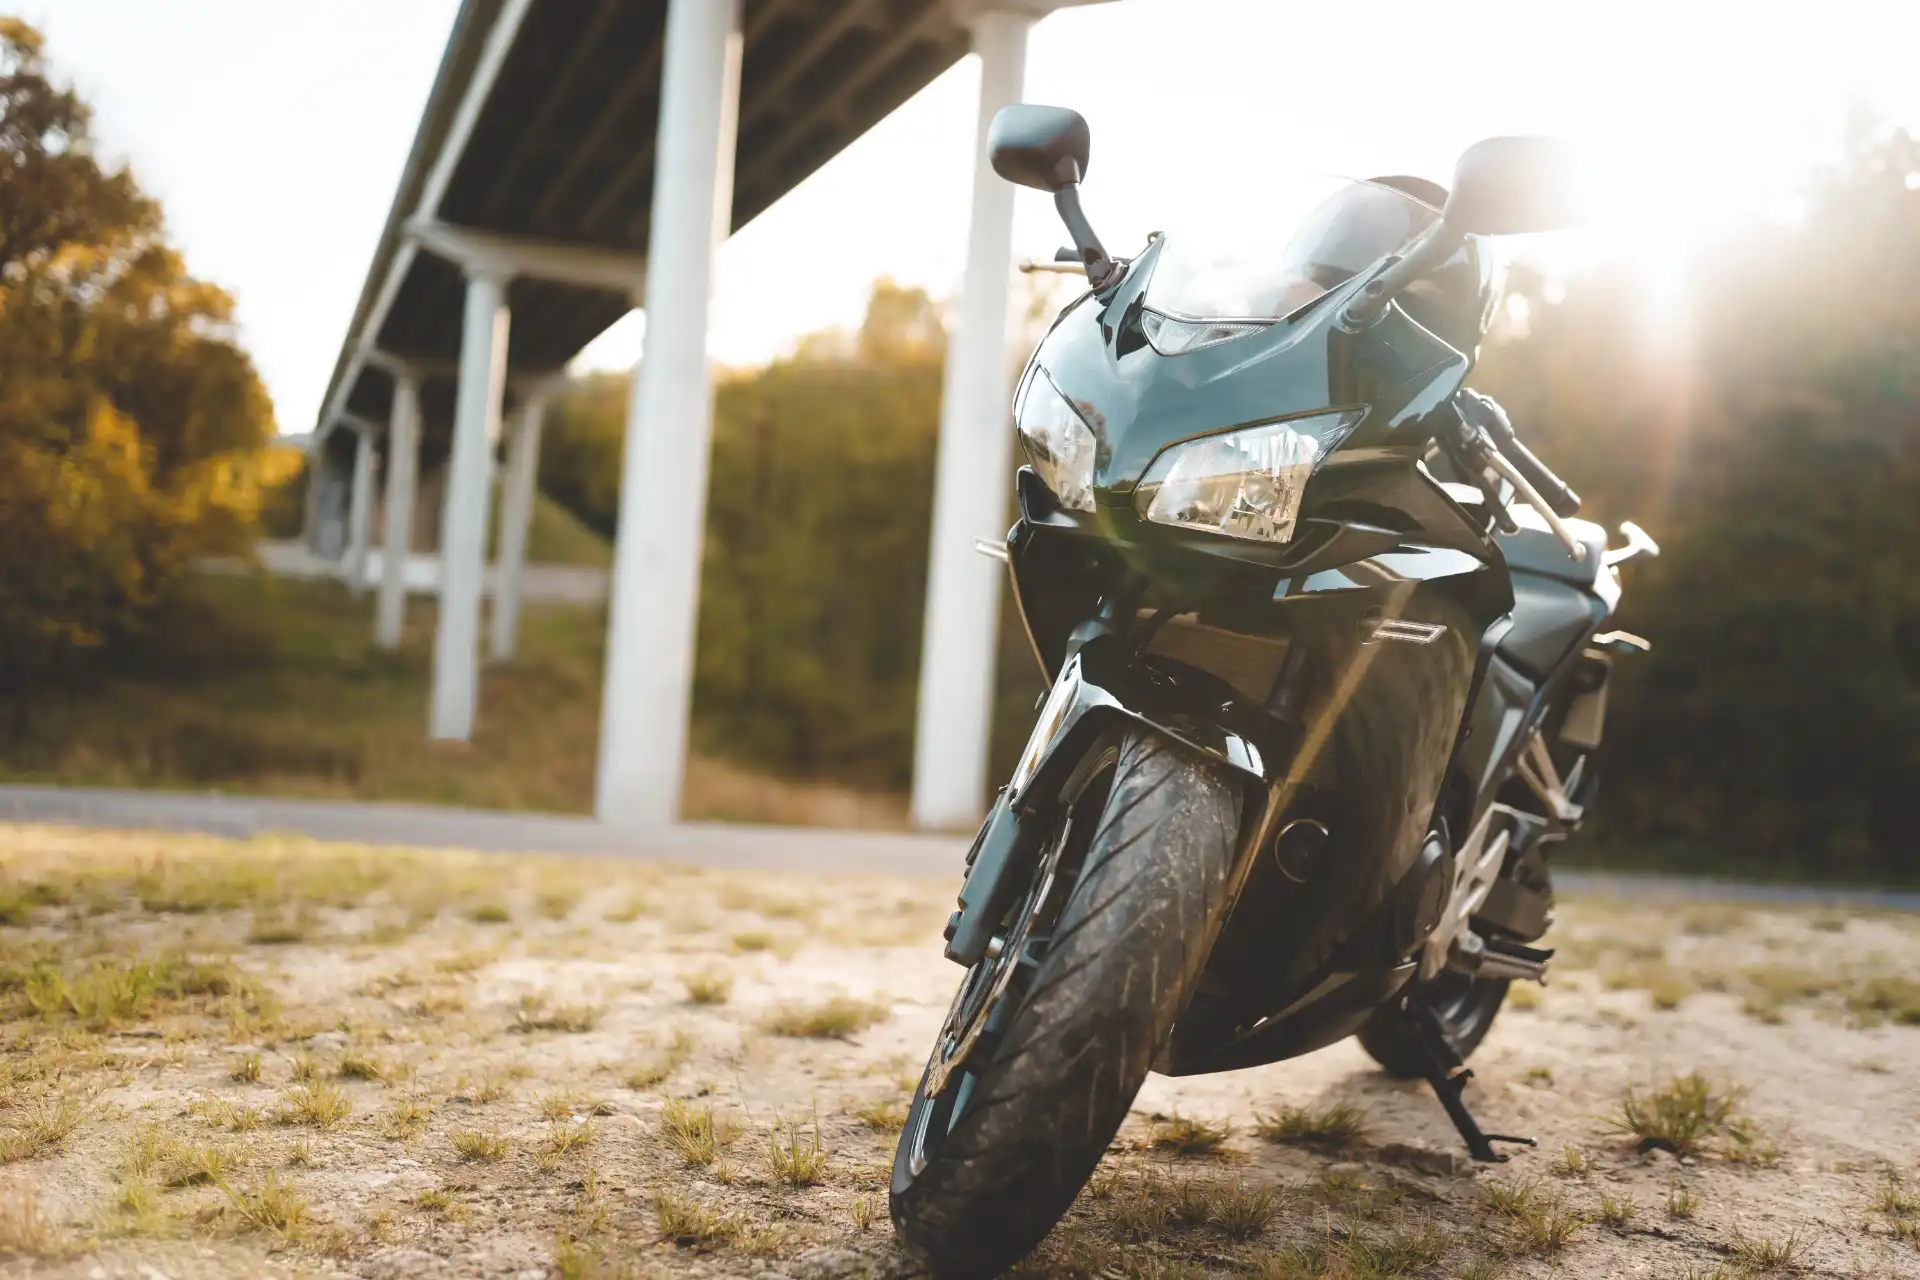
[(475, 1146), (708, 986), (1765, 1255), (838, 1018), (1339, 1126), (236, 1117), (689, 1224), (1682, 1116), (47, 1126), (245, 1071), (404, 1119), (361, 1064), (1538, 1223), (1572, 1162), (1617, 1212), (1182, 1136), (1241, 1212), (694, 1132), (320, 1105), (888, 1115), (796, 1160), (533, 1014), (273, 1206), (1889, 999)]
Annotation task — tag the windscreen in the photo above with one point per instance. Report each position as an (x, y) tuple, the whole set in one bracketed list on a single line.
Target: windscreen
[(1265, 262)]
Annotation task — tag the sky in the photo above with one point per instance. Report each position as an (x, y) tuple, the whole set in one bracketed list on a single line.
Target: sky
[(275, 134)]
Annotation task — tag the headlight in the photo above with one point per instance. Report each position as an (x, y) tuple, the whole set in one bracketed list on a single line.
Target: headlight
[(1244, 484), (1057, 441)]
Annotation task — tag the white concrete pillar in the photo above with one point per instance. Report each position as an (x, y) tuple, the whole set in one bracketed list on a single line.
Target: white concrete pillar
[(656, 567), (360, 509), (971, 482), (463, 521), (396, 519), (516, 514)]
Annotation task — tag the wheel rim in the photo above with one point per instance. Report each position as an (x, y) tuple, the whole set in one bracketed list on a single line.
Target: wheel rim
[(1458, 999), (993, 991)]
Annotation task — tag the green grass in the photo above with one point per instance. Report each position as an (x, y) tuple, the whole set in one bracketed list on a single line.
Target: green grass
[(255, 684), (556, 536), (1685, 1116)]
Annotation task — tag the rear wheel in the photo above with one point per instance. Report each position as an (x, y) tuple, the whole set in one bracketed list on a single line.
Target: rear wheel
[(1466, 1006), (1050, 1036)]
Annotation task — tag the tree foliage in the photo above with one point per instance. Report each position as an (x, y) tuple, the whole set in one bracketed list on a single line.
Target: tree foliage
[(819, 503), (132, 426), (1769, 436)]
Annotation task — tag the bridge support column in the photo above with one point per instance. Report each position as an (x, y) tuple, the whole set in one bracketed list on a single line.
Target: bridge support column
[(463, 522), (962, 619), (360, 509), (516, 514), (396, 517), (656, 568)]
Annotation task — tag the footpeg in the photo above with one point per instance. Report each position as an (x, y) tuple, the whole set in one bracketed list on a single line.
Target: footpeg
[(1498, 959), (1448, 1075)]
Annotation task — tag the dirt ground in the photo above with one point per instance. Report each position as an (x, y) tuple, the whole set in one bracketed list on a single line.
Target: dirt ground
[(281, 1058)]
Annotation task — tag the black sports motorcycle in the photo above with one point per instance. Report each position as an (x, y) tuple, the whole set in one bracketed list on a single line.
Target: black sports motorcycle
[(1329, 665)]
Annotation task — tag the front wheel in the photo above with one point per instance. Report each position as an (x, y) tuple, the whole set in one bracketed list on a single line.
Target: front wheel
[(1050, 1036)]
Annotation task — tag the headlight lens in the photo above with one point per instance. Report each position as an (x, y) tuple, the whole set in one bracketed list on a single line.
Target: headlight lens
[(1057, 441), (1243, 484)]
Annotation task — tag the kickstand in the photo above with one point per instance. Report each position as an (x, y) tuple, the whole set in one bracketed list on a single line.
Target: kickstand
[(1448, 1075)]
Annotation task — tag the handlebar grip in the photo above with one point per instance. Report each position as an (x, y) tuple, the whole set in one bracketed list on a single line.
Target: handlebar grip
[(1490, 417), (1559, 495)]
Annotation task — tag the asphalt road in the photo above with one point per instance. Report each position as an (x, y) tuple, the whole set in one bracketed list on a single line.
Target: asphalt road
[(710, 844)]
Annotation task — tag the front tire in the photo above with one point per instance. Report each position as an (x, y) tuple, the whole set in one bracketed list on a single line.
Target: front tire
[(989, 1163)]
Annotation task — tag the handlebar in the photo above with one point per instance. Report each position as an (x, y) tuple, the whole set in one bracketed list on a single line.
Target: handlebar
[(1481, 411)]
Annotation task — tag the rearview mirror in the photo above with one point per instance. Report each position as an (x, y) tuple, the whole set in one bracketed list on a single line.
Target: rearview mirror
[(1510, 186), (1041, 147)]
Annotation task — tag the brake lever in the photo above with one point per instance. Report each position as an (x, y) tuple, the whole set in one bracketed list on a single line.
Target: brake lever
[(1511, 474)]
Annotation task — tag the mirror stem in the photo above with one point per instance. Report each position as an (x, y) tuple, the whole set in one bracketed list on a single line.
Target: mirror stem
[(1428, 252), (1100, 267)]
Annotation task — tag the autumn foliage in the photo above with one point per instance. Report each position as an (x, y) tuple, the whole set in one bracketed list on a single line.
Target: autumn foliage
[(133, 428)]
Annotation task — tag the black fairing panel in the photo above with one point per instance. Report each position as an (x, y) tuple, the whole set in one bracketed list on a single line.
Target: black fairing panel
[(1378, 720), (1531, 550), (1549, 619)]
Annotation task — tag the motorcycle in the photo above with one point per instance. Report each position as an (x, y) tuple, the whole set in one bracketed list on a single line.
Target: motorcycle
[(1329, 656)]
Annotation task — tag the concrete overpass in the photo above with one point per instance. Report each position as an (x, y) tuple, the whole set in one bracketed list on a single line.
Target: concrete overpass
[(578, 158)]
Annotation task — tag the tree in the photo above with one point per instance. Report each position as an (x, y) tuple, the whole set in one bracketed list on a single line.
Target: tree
[(1772, 443), (132, 426)]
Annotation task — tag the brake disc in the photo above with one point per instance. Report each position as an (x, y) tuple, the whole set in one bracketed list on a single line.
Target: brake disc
[(967, 1019)]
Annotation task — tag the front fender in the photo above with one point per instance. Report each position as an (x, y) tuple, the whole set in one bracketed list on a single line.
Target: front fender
[(1105, 684)]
